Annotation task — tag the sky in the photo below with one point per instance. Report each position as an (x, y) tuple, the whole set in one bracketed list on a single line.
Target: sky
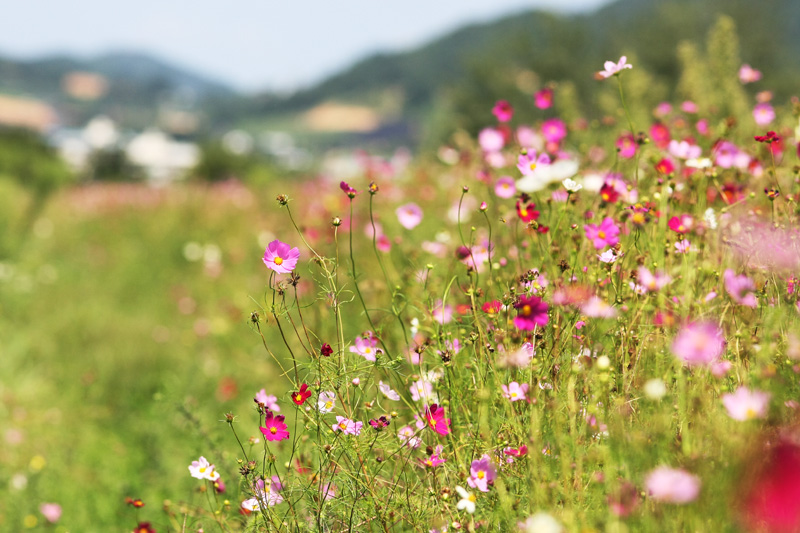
[(248, 44)]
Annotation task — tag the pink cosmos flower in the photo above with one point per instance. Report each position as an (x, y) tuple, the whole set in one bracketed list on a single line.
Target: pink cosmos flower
[(326, 401), (383, 244), (274, 428), (544, 98), (423, 390), (434, 417), (663, 109), (435, 459), (684, 247), (328, 491), (745, 404), (528, 138), (268, 401), (626, 144), (522, 451), (748, 74), (348, 190), (482, 473), (515, 392), (202, 469), (684, 150), (491, 140), (596, 307), (689, 107), (528, 161), (409, 215), (50, 511), (532, 312), (721, 368), (763, 114), (366, 346), (444, 314), (519, 358), (740, 288), (265, 494), (280, 257), (347, 426), (503, 111), (660, 135), (613, 69), (652, 282), (407, 436), (554, 130), (699, 343), (728, 155), (505, 187), (672, 485), (606, 234), (387, 391)]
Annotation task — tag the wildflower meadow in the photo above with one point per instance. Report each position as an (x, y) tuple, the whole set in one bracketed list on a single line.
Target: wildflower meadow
[(556, 324)]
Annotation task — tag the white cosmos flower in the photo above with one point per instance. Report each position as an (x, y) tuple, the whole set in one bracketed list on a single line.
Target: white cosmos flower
[(571, 185), (467, 501), (387, 391), (326, 402)]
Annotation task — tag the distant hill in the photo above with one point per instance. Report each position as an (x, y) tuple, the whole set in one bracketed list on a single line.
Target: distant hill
[(460, 74), (127, 85)]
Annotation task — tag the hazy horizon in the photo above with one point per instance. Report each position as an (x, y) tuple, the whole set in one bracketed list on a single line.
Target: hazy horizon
[(295, 45)]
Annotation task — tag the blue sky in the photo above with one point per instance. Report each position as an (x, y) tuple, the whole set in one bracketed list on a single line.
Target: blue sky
[(249, 44)]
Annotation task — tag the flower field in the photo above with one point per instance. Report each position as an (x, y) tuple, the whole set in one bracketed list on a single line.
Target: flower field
[(556, 324)]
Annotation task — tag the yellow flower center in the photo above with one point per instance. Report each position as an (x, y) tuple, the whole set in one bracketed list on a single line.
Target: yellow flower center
[(523, 212), (278, 260), (638, 218), (481, 474), (526, 310), (601, 234), (328, 405), (533, 166), (343, 425), (298, 398), (513, 394), (273, 430), (471, 498), (202, 469), (432, 422), (751, 413), (367, 350)]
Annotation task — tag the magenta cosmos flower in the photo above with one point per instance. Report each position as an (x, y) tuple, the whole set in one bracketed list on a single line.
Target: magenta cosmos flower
[(503, 111), (434, 417), (274, 427), (699, 343), (554, 130), (280, 257), (672, 485), (532, 312), (544, 98), (612, 69), (409, 215), (745, 404), (606, 234)]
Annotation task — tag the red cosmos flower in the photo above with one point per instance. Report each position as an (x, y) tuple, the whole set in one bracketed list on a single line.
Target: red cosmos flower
[(434, 417), (138, 503), (665, 166), (325, 350), (770, 137), (527, 213), (492, 307), (144, 527), (772, 501), (609, 194), (302, 395)]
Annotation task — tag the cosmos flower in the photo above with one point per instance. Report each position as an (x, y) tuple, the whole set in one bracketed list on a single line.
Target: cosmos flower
[(326, 401), (606, 234), (482, 473), (347, 426), (748, 74), (202, 469), (367, 346), (515, 392), (503, 111), (387, 391), (435, 459), (699, 343), (300, 397), (409, 215), (280, 257), (267, 400), (613, 69), (746, 404), (467, 501), (532, 312), (740, 288), (274, 428), (505, 187), (434, 417), (543, 99), (672, 485), (528, 161)]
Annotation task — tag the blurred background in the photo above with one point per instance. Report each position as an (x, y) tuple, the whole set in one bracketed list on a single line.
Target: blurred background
[(141, 147)]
